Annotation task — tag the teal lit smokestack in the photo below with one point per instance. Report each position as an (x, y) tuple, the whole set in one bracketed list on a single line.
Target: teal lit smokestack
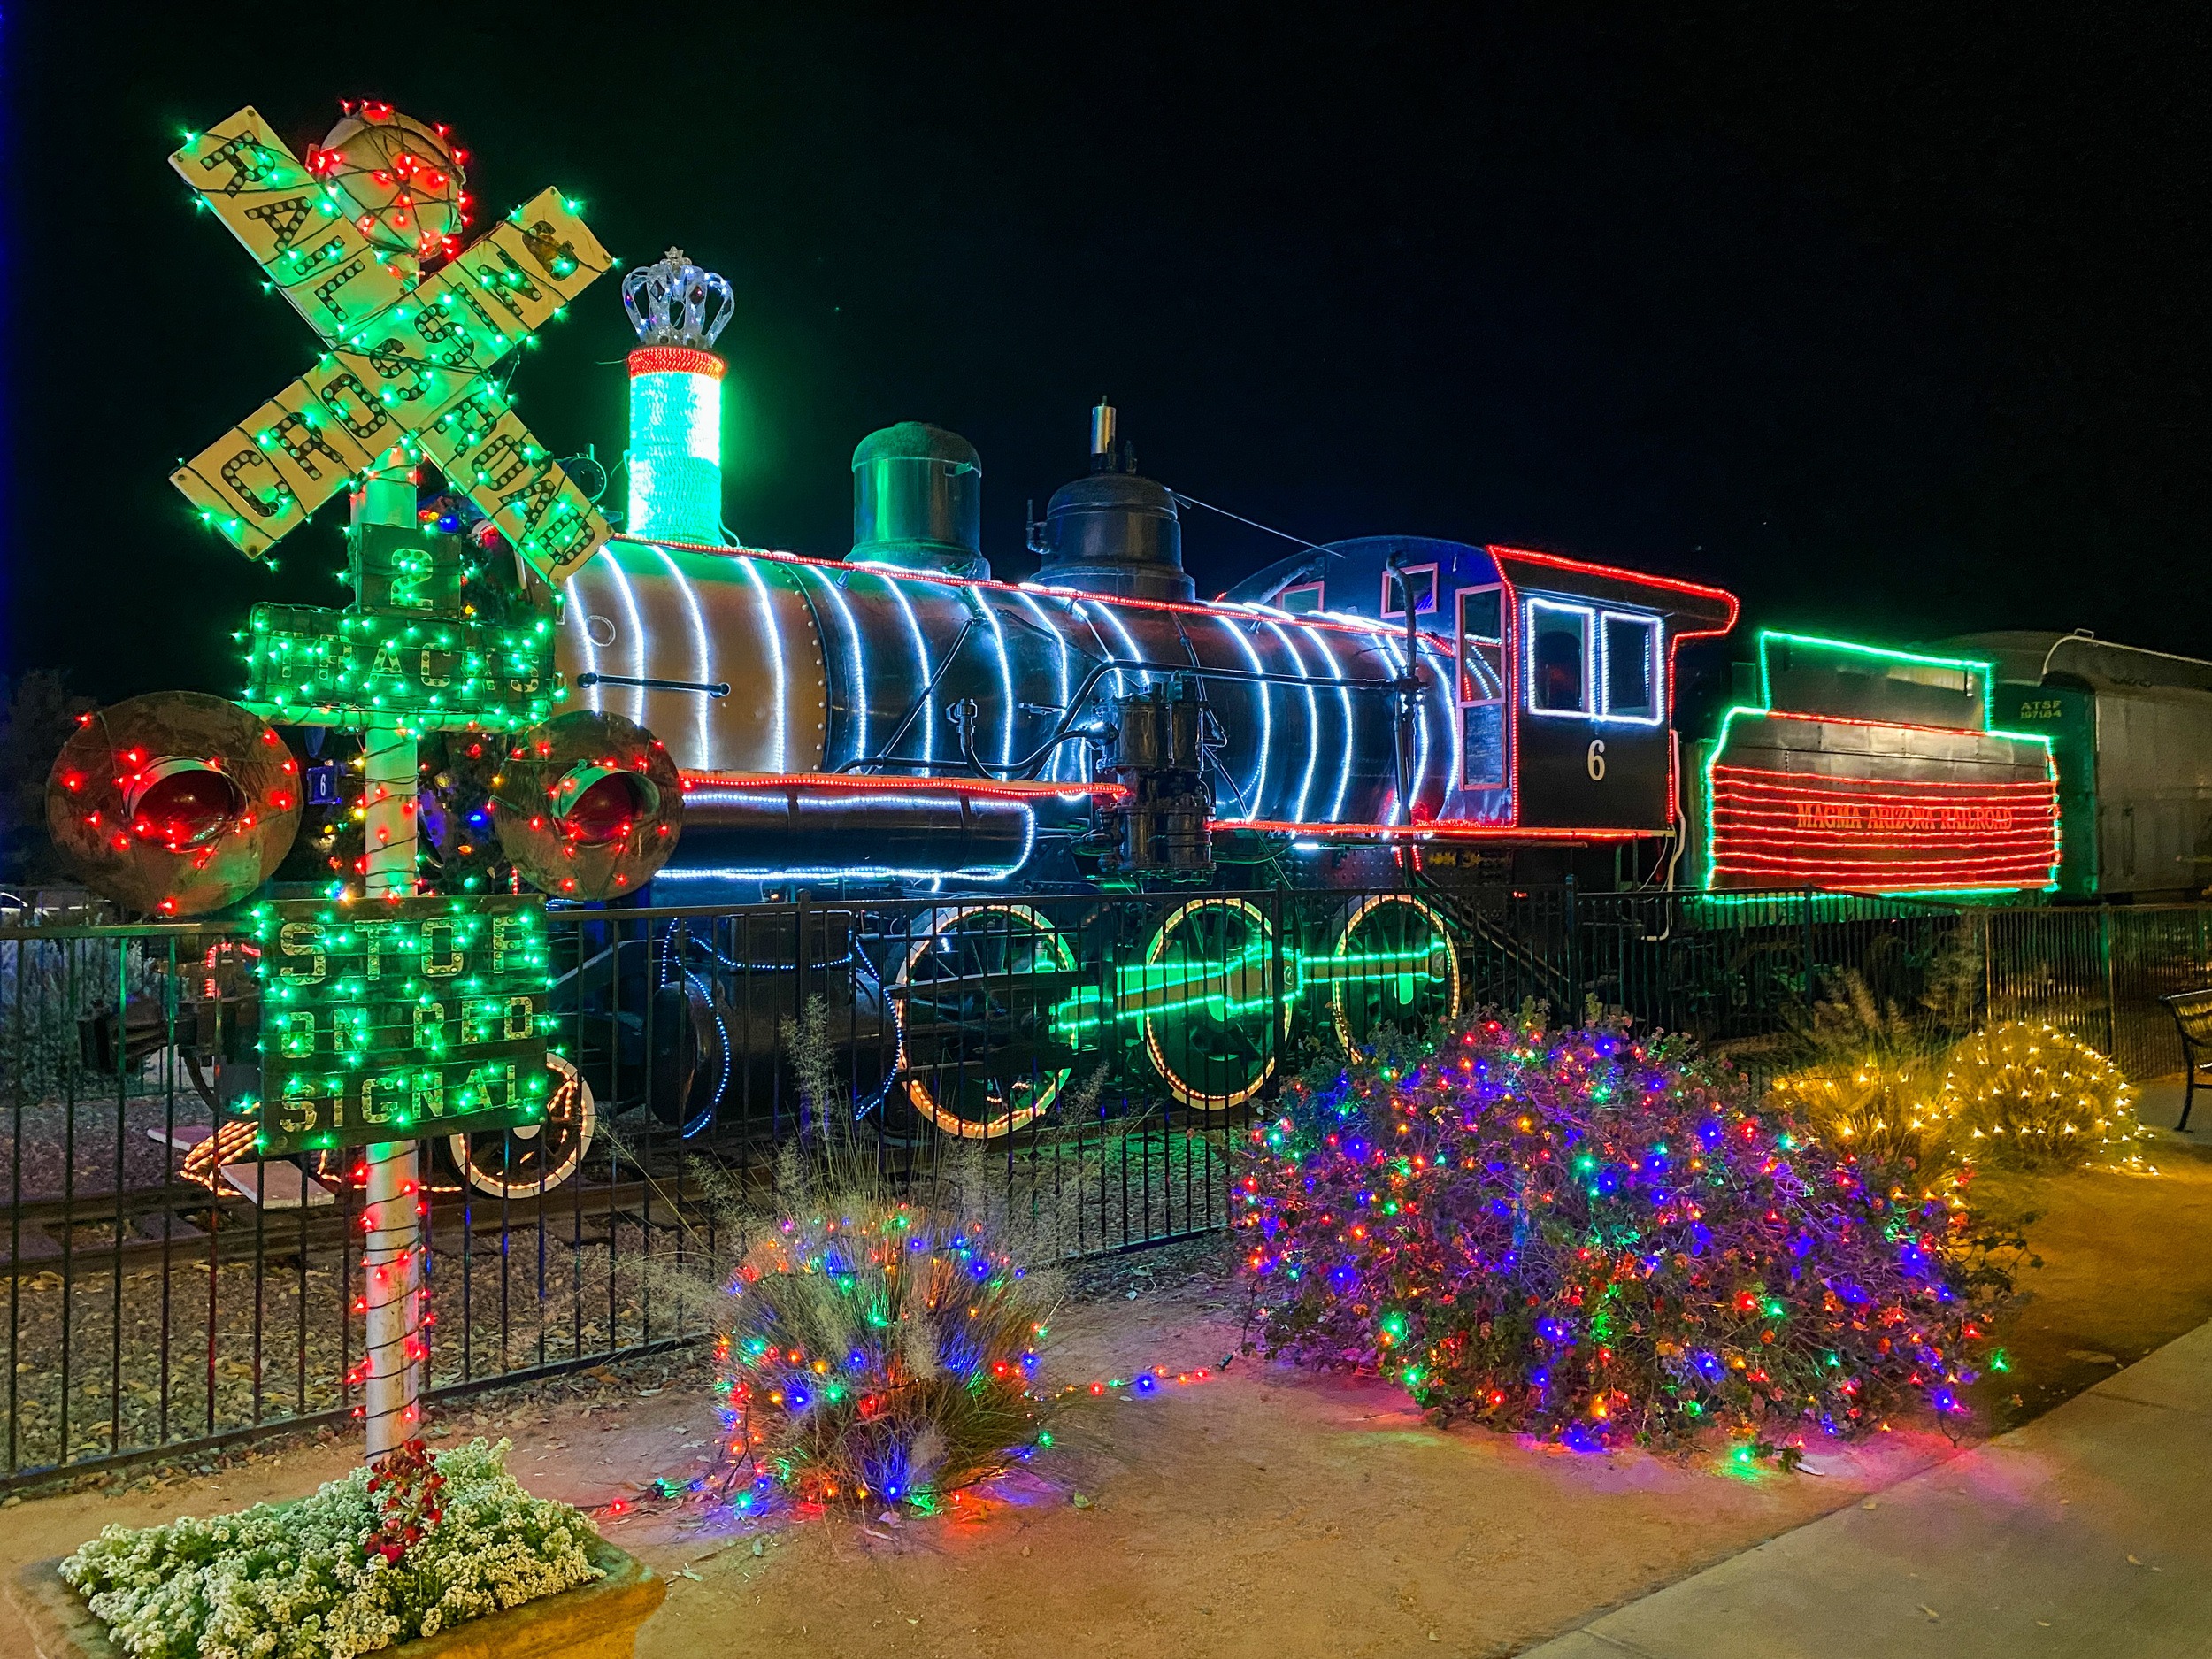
[(675, 461)]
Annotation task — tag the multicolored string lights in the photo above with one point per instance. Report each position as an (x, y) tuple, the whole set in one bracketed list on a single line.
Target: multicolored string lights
[(1591, 1236), (878, 1353)]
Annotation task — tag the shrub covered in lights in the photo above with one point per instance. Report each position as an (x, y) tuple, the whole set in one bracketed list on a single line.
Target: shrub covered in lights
[(2020, 1091), (1865, 1076), (878, 1353), (1591, 1236), (1878, 1108)]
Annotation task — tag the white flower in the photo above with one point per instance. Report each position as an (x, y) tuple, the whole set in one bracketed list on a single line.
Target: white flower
[(291, 1582)]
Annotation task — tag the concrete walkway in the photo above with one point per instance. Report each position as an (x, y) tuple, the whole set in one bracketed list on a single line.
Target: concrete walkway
[(2087, 1532)]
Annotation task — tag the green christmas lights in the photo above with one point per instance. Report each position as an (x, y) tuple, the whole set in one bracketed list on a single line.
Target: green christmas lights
[(389, 1020), (408, 359), (350, 668)]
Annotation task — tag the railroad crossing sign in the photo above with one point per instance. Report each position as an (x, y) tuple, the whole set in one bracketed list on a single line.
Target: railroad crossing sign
[(387, 1021), (408, 359)]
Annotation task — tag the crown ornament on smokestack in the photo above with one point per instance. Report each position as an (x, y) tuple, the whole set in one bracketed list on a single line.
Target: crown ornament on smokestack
[(678, 309)]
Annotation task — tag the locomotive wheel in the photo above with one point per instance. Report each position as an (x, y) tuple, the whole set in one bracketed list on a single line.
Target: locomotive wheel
[(1392, 964), (973, 1012), (526, 1162), (687, 1061), (1210, 996)]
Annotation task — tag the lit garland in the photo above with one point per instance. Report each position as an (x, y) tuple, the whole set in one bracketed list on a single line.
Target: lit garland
[(1147, 1382), (888, 1356), (1591, 1237)]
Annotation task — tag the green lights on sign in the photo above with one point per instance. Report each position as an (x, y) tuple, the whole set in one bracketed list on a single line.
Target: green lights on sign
[(412, 361), (394, 1020), (347, 668)]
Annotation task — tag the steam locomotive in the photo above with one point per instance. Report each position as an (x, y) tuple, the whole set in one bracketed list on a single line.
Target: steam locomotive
[(898, 725), (897, 717)]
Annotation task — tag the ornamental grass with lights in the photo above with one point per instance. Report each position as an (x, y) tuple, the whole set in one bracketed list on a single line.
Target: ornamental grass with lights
[(880, 1353), (2022, 1092), (1591, 1236)]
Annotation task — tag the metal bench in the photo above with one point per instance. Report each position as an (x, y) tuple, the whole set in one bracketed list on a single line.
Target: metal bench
[(2193, 1014)]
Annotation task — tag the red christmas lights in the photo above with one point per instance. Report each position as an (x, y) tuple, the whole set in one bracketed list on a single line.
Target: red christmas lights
[(1881, 835), (1007, 789), (676, 360)]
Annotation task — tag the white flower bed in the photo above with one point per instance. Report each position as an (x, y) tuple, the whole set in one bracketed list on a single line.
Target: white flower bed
[(292, 1581)]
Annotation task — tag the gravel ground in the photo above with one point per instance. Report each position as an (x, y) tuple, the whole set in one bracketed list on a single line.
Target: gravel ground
[(45, 1145), (154, 1357)]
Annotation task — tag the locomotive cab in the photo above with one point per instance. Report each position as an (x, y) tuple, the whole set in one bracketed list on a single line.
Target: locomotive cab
[(1564, 673)]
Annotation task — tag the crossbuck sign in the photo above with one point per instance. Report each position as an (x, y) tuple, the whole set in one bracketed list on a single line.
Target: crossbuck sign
[(408, 359)]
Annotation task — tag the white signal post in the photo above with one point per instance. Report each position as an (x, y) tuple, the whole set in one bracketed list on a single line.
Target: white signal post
[(352, 264), (395, 1355)]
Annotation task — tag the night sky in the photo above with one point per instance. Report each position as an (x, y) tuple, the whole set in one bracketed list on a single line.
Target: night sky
[(1890, 326)]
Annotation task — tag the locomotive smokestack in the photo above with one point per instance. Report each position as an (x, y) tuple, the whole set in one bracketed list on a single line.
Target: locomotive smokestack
[(676, 399), (1103, 437)]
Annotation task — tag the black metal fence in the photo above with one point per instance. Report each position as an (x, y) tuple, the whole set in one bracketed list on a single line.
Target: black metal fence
[(1085, 1066)]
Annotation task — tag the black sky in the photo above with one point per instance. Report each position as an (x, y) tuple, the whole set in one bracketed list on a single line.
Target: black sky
[(1890, 323)]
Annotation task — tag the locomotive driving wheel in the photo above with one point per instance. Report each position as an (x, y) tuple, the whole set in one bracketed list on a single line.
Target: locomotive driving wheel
[(1390, 963), (972, 993), (534, 1158), (1214, 1001)]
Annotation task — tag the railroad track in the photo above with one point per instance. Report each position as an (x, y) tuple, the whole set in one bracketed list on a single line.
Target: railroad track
[(183, 1223)]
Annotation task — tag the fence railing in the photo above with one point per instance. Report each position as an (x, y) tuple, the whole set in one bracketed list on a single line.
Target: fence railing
[(1085, 1066)]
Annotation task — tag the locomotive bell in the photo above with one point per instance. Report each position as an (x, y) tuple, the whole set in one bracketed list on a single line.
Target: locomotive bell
[(918, 501)]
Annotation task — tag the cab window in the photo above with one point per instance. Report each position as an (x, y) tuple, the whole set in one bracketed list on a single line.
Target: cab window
[(1482, 688), (1558, 657), (1631, 666), (1419, 581)]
